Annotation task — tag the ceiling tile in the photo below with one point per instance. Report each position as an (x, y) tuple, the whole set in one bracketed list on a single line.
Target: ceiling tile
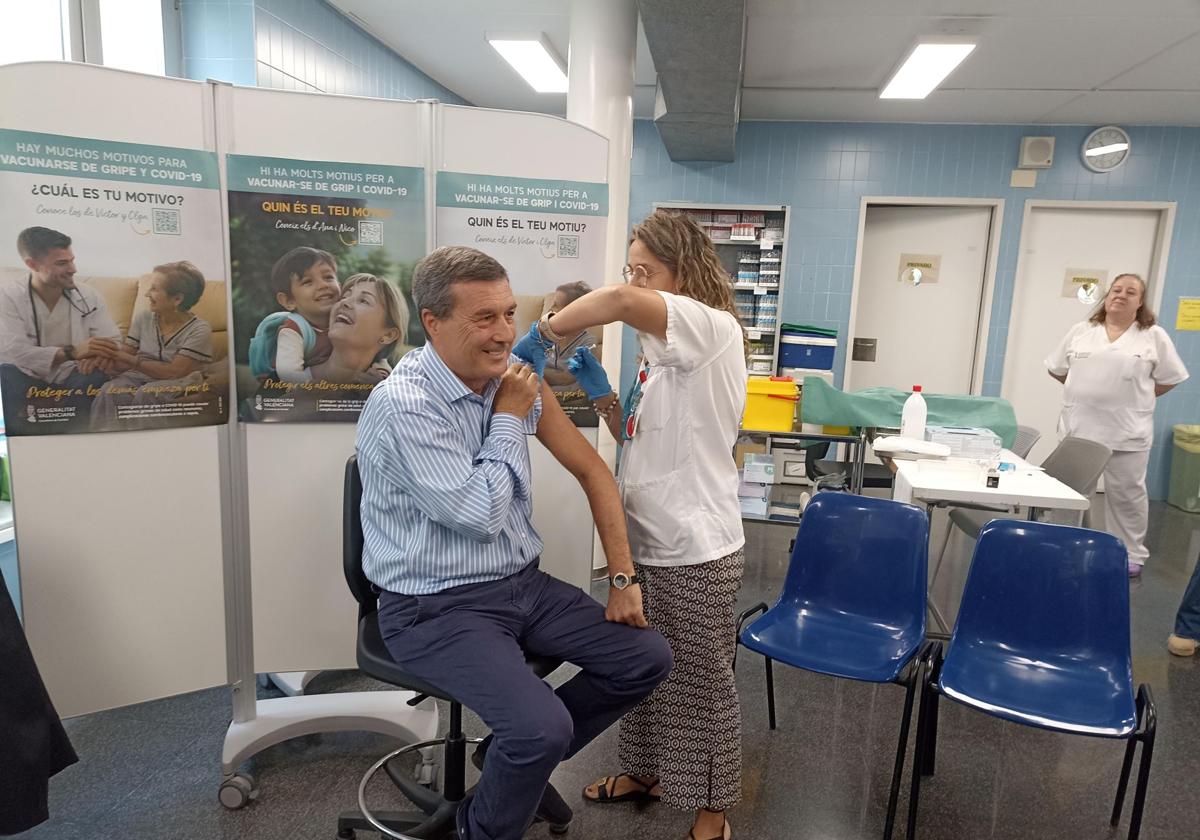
[(866, 106), (1177, 68), (1129, 107)]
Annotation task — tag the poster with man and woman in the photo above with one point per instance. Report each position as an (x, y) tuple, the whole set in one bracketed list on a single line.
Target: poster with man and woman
[(112, 286), (322, 254)]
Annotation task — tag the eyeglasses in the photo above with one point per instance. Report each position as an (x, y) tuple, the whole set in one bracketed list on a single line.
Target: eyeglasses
[(629, 272)]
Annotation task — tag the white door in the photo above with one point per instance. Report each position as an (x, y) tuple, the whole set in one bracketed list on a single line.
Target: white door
[(925, 334), (1055, 242)]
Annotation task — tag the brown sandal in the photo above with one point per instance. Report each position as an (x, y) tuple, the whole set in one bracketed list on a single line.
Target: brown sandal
[(606, 786), (725, 834)]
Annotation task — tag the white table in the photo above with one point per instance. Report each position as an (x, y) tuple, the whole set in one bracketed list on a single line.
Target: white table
[(951, 482)]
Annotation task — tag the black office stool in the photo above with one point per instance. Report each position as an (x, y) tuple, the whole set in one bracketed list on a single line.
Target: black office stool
[(436, 818), (817, 467)]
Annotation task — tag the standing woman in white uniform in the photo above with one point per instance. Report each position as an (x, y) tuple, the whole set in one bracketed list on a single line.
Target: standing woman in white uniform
[(1115, 365), (679, 484)]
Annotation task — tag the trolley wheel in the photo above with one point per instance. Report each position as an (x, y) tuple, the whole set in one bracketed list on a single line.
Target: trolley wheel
[(237, 791)]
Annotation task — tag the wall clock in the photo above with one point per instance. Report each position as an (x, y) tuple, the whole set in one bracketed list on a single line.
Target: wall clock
[(1106, 148)]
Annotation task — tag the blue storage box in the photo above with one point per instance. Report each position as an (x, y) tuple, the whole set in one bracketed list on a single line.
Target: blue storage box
[(805, 351)]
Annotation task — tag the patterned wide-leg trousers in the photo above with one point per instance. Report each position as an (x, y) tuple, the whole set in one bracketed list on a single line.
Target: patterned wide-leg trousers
[(688, 733)]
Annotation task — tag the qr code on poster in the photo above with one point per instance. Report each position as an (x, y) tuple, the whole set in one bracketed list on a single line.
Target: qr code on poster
[(568, 247), (166, 221), (370, 233)]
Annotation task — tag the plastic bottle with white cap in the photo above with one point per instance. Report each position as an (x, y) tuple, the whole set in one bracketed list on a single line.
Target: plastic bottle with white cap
[(912, 418)]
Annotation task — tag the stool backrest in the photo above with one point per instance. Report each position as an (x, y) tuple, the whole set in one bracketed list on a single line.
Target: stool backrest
[(352, 540), (813, 453), (1078, 463), (1027, 437)]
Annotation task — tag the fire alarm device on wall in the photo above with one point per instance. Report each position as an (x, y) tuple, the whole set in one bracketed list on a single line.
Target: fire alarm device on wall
[(1036, 153)]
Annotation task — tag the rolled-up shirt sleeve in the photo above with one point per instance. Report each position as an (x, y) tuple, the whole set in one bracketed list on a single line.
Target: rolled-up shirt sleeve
[(467, 493)]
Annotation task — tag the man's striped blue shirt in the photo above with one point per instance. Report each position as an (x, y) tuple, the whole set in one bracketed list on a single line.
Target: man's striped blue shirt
[(446, 483)]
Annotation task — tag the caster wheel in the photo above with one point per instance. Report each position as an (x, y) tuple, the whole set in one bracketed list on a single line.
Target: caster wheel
[(560, 829), (346, 834), (237, 791)]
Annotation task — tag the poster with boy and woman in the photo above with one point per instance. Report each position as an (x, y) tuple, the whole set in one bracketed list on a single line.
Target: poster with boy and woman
[(322, 255), (112, 286)]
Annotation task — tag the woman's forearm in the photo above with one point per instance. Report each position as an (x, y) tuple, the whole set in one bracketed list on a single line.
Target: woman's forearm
[(608, 409), (603, 306), (642, 309)]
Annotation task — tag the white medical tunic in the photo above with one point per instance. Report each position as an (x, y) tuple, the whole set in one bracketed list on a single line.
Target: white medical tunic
[(678, 478), (1109, 394)]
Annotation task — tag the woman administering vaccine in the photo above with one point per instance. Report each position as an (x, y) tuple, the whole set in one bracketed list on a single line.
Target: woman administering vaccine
[(1115, 365), (679, 484)]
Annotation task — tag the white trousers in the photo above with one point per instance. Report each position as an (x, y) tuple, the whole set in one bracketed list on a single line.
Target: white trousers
[(1126, 504)]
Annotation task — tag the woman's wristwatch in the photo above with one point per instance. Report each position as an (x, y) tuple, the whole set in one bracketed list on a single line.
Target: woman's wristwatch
[(546, 331)]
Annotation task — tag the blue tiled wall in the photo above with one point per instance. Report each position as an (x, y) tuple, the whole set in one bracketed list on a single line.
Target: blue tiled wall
[(822, 170), (218, 40), (307, 45), (296, 45)]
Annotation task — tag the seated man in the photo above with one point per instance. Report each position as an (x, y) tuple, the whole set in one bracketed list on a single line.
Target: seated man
[(446, 513)]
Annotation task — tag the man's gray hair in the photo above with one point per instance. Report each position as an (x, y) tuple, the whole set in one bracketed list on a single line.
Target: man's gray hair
[(441, 269)]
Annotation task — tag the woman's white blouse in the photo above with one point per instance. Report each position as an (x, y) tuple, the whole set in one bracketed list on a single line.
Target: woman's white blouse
[(678, 477), (1109, 394)]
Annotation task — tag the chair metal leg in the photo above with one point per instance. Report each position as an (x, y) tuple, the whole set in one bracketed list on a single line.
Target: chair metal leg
[(760, 607), (1147, 727), (928, 765), (1123, 782), (931, 659), (910, 685), (770, 693)]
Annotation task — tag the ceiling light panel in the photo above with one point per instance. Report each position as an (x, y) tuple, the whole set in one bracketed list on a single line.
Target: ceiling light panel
[(927, 66), (533, 60)]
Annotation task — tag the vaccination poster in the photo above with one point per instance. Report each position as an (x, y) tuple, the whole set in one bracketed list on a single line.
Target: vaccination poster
[(322, 258), (550, 237), (112, 286)]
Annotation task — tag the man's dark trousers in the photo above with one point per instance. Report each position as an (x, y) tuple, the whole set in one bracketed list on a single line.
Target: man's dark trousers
[(468, 641)]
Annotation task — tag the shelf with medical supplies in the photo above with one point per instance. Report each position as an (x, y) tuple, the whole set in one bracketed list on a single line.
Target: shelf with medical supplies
[(773, 484), (755, 268)]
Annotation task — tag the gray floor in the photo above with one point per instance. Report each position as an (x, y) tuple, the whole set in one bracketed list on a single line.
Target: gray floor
[(151, 771)]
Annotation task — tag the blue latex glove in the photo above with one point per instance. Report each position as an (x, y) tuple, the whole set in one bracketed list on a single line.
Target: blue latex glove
[(589, 374), (532, 349)]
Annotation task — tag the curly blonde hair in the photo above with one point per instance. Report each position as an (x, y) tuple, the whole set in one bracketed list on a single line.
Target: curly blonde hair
[(683, 247)]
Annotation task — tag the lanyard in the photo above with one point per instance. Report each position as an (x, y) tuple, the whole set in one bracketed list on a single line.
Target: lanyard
[(83, 310), (634, 401)]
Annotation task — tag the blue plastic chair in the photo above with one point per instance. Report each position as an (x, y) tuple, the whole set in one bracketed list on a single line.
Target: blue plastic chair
[(1042, 638), (853, 603)]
